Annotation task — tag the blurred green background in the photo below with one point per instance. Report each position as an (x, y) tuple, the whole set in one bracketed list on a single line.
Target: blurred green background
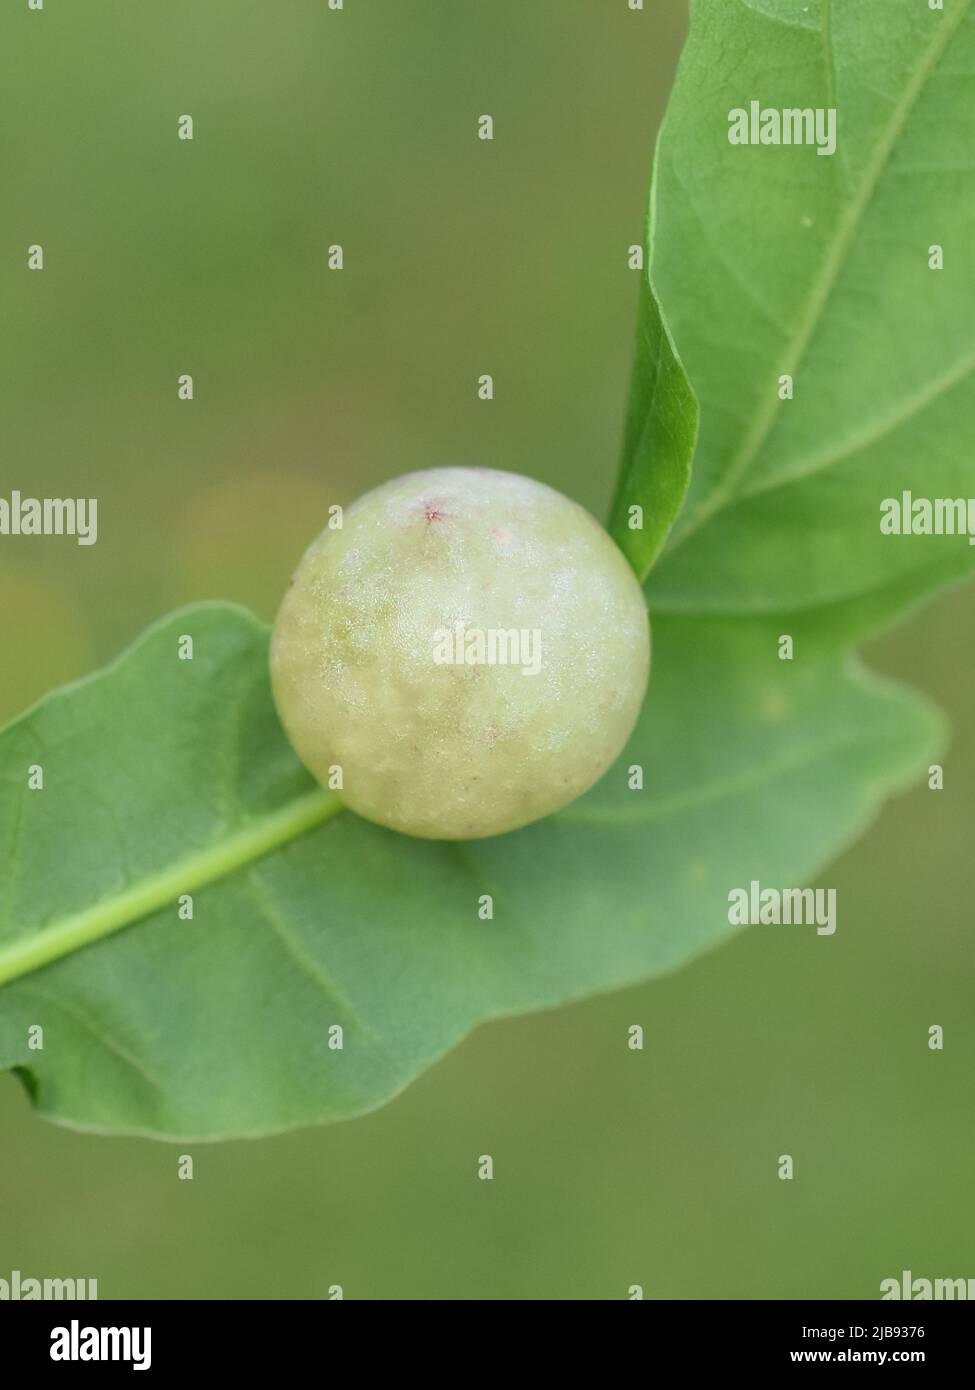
[(162, 257)]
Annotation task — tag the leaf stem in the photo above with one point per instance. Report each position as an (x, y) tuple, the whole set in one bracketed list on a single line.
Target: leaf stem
[(197, 870)]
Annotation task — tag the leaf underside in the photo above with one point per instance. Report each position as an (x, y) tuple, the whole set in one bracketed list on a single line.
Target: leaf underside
[(767, 261)]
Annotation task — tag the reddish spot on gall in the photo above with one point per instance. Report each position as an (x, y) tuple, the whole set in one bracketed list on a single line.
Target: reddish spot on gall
[(432, 509)]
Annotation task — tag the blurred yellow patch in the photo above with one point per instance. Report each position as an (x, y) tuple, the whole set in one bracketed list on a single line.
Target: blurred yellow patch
[(44, 636)]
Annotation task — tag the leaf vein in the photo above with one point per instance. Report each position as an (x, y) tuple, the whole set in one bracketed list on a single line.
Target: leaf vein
[(272, 917), (847, 228), (100, 1035)]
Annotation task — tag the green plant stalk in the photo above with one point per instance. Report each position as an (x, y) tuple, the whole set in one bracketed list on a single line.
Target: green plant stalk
[(195, 871)]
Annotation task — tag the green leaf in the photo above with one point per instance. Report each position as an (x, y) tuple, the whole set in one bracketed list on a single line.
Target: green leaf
[(774, 260), (661, 428), (165, 777)]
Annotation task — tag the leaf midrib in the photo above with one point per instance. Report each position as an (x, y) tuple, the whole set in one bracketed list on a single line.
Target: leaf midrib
[(231, 852)]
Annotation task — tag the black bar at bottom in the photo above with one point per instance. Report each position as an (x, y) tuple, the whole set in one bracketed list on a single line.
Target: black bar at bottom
[(68, 1339)]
